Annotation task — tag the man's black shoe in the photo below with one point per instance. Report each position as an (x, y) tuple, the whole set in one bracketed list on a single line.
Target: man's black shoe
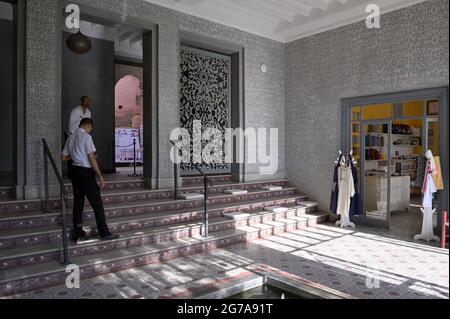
[(80, 240), (80, 236), (110, 237)]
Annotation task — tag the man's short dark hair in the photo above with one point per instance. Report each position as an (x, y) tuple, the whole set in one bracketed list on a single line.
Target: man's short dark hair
[(86, 121), (83, 97)]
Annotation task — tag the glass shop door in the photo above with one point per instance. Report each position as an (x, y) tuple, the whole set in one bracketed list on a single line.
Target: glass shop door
[(376, 171)]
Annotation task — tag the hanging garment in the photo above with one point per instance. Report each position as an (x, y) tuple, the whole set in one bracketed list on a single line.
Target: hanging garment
[(425, 179), (334, 191), (346, 190), (430, 189), (355, 204), (335, 187), (437, 178), (432, 163), (421, 166)]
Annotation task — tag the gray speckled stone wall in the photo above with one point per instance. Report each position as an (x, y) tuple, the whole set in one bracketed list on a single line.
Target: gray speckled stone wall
[(42, 108), (264, 93), (410, 51)]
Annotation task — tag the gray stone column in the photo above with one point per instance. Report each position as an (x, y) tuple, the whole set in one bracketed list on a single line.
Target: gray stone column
[(42, 117)]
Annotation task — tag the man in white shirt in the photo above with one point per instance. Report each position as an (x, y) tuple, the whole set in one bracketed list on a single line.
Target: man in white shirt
[(80, 149), (78, 113)]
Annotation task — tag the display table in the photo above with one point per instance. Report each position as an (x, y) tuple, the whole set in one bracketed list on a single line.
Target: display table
[(376, 190)]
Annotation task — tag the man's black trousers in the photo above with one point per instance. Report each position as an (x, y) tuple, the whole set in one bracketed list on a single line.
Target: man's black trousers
[(85, 185)]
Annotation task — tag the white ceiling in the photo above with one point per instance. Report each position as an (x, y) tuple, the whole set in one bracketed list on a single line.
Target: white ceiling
[(282, 20)]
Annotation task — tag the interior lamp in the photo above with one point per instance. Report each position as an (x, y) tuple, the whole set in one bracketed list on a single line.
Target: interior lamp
[(79, 43)]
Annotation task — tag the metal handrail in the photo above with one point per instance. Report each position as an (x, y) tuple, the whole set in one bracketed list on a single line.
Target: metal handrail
[(206, 182), (63, 196), (175, 170)]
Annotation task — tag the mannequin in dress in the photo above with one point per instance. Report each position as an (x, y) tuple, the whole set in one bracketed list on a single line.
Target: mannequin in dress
[(346, 192)]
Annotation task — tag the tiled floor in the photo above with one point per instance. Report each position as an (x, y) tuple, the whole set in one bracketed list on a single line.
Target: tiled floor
[(346, 260)]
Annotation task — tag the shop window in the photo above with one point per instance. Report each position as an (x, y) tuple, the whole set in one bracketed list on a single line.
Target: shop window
[(409, 109), (433, 107), (377, 111), (356, 113)]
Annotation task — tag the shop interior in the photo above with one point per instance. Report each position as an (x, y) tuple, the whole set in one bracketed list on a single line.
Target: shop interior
[(389, 142)]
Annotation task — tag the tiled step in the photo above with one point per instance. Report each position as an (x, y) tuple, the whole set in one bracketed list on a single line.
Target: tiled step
[(38, 219), (198, 180), (20, 279), (41, 233), (130, 196), (116, 185), (32, 254)]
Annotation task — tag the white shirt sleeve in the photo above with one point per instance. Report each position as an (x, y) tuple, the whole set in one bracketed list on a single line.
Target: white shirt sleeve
[(89, 145), (66, 151), (74, 121)]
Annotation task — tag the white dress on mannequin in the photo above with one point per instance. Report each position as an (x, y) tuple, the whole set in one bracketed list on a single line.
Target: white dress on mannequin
[(346, 192), (428, 189)]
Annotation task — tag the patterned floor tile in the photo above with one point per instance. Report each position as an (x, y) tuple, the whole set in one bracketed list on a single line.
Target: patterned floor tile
[(366, 263)]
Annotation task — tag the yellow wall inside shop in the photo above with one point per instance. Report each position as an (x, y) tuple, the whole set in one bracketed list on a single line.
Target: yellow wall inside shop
[(413, 108), (376, 111)]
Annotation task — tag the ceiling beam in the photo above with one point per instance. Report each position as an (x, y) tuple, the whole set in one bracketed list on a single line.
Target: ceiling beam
[(125, 36), (233, 7), (267, 9), (302, 8), (291, 6), (190, 3), (319, 4), (136, 38), (223, 10)]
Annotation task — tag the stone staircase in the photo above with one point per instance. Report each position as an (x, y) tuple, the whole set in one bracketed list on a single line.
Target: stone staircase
[(153, 227)]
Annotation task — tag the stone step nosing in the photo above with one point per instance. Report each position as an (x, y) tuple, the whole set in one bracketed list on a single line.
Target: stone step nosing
[(18, 285), (292, 197), (108, 199), (148, 222), (257, 218), (189, 203), (49, 239), (211, 213), (154, 191)]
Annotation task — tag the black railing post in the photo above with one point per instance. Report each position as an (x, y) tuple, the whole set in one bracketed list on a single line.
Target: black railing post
[(134, 156), (134, 159), (175, 169), (64, 227), (47, 196), (205, 205), (175, 178)]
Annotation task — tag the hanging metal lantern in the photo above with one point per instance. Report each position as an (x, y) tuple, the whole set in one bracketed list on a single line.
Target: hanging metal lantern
[(79, 43)]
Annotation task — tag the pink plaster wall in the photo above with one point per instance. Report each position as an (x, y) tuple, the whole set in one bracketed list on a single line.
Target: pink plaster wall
[(128, 95)]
